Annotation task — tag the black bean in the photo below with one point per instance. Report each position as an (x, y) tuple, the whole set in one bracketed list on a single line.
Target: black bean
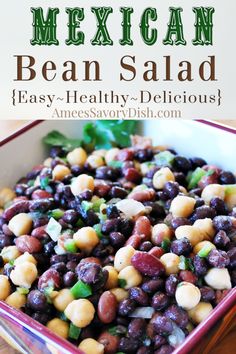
[(106, 172), (219, 205), (60, 267), (165, 349), (171, 189), (91, 218), (158, 341), (7, 269), (180, 178), (49, 248), (160, 301), (227, 177), (126, 227), (6, 230), (153, 285), (162, 325), (101, 251), (1, 262), (207, 294), (70, 217), (69, 279), (57, 258), (199, 202), (136, 328), (111, 225), (144, 155), (171, 284), (86, 195), (196, 192), (128, 345), (178, 221), (56, 151), (144, 350), (41, 317), (20, 189), (152, 172), (232, 257), (40, 221), (123, 322), (200, 265), (112, 212), (90, 273), (146, 246), (118, 192), (77, 170), (197, 162), (233, 277), (6, 241), (203, 212), (41, 205), (37, 300), (221, 239), (162, 196), (157, 209), (182, 164), (222, 222), (117, 239), (138, 295), (181, 247), (178, 315), (126, 307)]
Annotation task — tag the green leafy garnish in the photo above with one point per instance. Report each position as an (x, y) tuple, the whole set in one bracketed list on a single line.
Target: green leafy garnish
[(81, 290), (48, 292), (98, 229), (115, 164), (70, 246), (186, 264), (63, 317), (164, 158), (203, 253), (117, 330), (74, 331), (165, 245), (30, 183), (11, 262), (23, 291), (44, 182), (55, 138), (56, 214), (104, 134), (86, 205), (79, 223), (122, 283), (196, 177)]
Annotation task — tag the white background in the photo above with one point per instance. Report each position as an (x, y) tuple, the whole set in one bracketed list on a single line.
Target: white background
[(16, 32)]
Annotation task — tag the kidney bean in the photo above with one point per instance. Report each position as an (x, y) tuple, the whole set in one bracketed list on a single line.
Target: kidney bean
[(110, 342), (156, 251), (221, 239), (165, 349), (37, 301), (28, 244), (178, 315), (147, 264), (220, 294), (138, 295), (40, 205), (137, 328), (5, 240), (16, 208), (128, 345), (144, 350), (153, 285), (102, 189), (49, 278), (187, 275), (143, 226), (206, 180), (118, 192), (171, 284), (207, 294), (218, 258), (107, 305), (222, 222), (39, 232), (69, 279), (132, 175), (41, 194), (159, 341), (126, 307), (134, 241), (143, 196), (162, 325), (6, 230), (30, 190)]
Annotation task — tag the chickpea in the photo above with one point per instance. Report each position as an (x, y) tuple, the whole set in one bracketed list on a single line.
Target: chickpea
[(212, 191), (187, 295), (47, 162), (5, 287), (24, 274), (182, 206), (91, 346), (80, 312), (200, 312), (203, 244), (16, 300), (123, 257), (26, 257), (100, 152), (95, 161), (112, 280), (131, 276), (159, 233), (6, 195), (170, 262), (77, 156), (193, 234), (10, 253), (162, 176), (111, 155), (206, 228), (218, 278), (59, 327), (183, 190), (59, 172), (21, 224), (86, 239), (62, 299), (120, 294), (81, 184), (230, 200)]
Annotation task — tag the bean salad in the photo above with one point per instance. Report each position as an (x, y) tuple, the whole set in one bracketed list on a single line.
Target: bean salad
[(124, 250)]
